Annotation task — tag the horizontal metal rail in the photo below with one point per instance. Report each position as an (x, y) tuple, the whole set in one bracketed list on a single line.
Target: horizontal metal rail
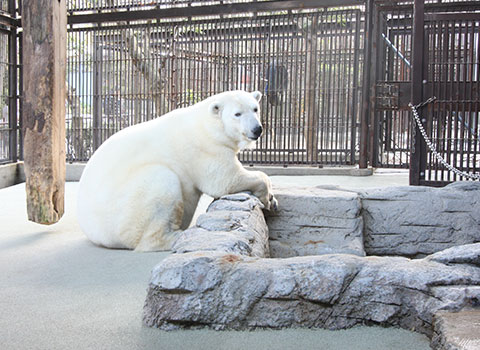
[(209, 10)]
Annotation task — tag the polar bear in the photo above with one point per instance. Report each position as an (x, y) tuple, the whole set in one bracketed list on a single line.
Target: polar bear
[(143, 184)]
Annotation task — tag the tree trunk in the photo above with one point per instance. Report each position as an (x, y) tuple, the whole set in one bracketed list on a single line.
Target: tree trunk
[(44, 62)]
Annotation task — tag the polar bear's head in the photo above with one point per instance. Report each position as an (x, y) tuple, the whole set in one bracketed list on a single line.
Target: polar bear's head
[(239, 112)]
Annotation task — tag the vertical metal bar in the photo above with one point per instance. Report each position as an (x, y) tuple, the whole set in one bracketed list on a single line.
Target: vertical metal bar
[(449, 63), (310, 105), (174, 66), (417, 157), (355, 88), (335, 83), (97, 67), (344, 93), (12, 86), (342, 88), (298, 88), (20, 89), (476, 114), (121, 80), (337, 115), (442, 89), (256, 71), (392, 74), (470, 97), (289, 95), (377, 62), (458, 83), (322, 86), (433, 73), (268, 117), (464, 79), (365, 111), (304, 88), (282, 120), (75, 134)]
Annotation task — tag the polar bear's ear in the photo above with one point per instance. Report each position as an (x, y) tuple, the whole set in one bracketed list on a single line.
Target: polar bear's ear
[(215, 107), (257, 95)]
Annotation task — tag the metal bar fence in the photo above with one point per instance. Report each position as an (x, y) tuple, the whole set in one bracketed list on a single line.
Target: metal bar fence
[(451, 45), (9, 118), (5, 153), (307, 64), (452, 71), (392, 120)]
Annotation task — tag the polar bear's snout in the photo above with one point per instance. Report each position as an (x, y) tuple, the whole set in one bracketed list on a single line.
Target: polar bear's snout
[(253, 128), (257, 132)]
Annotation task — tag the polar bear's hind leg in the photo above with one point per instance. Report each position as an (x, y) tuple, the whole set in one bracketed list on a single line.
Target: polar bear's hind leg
[(160, 203), (161, 233)]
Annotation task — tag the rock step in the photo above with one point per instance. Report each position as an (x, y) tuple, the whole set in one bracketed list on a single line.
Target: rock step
[(406, 221)]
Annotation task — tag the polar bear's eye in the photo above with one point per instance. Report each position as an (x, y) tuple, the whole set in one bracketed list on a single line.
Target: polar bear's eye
[(238, 114), (255, 109)]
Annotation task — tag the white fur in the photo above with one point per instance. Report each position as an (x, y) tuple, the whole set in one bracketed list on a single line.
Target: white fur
[(143, 184)]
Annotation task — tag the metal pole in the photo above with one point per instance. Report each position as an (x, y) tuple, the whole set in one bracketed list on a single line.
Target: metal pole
[(97, 88), (365, 109), (418, 152), (12, 86)]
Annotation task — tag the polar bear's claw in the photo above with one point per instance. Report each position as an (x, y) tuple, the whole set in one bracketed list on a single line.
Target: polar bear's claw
[(274, 204)]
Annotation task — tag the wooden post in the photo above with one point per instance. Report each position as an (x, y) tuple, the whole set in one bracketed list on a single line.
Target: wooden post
[(44, 62)]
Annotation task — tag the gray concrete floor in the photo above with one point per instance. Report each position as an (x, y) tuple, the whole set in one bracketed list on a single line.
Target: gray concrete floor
[(58, 291)]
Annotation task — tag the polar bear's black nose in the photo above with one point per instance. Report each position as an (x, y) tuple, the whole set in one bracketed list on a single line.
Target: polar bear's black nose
[(257, 131)]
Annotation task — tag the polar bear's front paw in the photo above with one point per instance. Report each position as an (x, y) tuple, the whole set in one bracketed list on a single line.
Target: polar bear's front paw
[(273, 203), (270, 202)]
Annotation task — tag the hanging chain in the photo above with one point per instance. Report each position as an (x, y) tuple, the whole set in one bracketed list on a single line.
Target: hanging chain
[(432, 147)]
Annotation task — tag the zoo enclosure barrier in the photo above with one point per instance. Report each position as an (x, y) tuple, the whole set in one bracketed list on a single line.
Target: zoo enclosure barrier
[(447, 67), (426, 49), (10, 136), (126, 67), (337, 80)]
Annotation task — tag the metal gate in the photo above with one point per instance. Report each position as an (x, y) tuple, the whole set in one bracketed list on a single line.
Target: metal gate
[(390, 120), (447, 67), (306, 62)]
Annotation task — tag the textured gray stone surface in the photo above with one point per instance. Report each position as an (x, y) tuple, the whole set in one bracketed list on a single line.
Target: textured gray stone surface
[(466, 254), (417, 221), (330, 291), (456, 330), (312, 221), (404, 221), (220, 275), (233, 224)]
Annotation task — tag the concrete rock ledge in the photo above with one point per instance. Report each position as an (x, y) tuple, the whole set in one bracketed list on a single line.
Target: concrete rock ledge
[(313, 221), (417, 221), (236, 291), (220, 276), (396, 221), (232, 224)]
